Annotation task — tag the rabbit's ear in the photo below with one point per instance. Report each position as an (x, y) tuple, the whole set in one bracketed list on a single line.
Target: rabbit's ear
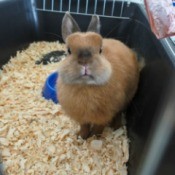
[(69, 26), (94, 25)]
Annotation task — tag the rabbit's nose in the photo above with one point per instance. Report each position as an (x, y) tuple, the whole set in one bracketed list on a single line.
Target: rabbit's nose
[(84, 56)]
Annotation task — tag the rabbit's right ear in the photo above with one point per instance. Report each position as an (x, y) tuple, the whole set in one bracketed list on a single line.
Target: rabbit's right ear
[(94, 25), (69, 26)]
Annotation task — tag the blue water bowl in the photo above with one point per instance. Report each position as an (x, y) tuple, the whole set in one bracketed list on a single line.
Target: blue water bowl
[(49, 90)]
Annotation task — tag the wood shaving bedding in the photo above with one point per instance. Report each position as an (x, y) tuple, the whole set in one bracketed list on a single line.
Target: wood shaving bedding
[(36, 138)]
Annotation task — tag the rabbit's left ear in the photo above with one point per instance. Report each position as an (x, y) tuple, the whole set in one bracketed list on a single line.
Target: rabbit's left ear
[(94, 25), (69, 26)]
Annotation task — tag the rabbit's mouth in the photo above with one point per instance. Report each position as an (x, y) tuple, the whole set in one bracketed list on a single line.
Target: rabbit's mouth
[(86, 80), (85, 71), (85, 76)]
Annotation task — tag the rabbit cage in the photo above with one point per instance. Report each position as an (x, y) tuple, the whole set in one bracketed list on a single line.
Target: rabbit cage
[(150, 116)]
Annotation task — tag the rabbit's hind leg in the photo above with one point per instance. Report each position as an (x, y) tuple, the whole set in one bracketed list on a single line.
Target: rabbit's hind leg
[(117, 122)]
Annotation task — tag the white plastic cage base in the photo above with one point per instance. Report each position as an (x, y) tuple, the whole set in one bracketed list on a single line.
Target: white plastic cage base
[(59, 7)]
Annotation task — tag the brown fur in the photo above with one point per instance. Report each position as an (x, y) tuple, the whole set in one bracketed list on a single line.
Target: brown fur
[(98, 104)]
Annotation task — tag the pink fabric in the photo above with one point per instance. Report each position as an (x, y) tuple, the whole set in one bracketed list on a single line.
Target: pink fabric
[(161, 15)]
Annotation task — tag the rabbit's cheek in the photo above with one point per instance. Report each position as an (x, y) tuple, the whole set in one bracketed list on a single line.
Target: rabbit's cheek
[(82, 70)]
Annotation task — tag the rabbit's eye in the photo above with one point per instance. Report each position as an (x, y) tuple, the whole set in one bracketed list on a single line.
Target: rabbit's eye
[(68, 50), (100, 50)]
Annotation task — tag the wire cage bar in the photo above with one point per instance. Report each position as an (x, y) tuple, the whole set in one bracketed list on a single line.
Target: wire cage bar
[(106, 8)]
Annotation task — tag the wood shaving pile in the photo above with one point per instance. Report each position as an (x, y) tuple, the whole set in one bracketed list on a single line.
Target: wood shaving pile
[(36, 138)]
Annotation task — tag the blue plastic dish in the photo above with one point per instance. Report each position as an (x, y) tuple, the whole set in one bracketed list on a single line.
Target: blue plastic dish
[(49, 90)]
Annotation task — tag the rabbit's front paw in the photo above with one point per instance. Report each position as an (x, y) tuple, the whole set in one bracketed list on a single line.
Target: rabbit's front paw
[(84, 131)]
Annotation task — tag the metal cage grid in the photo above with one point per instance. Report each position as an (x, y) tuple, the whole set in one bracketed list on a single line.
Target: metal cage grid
[(57, 6)]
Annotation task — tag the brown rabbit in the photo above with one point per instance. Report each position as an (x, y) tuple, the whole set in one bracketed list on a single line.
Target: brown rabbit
[(98, 78)]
